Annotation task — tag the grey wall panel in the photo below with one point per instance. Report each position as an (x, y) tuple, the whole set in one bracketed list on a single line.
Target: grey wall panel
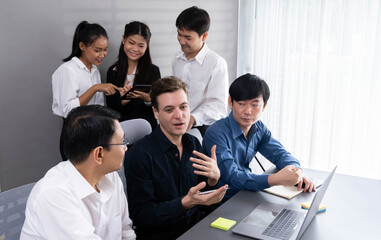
[(36, 35)]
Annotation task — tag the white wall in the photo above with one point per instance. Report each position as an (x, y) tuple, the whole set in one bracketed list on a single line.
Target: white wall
[(36, 35)]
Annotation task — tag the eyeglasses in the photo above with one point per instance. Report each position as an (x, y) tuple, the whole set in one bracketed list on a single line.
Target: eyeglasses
[(109, 144)]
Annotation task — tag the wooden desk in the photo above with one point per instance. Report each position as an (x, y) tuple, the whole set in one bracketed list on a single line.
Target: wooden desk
[(353, 210)]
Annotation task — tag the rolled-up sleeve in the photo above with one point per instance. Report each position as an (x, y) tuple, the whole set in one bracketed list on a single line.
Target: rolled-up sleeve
[(65, 84)]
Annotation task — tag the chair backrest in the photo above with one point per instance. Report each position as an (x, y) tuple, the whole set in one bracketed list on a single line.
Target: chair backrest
[(12, 211), (135, 129), (195, 132)]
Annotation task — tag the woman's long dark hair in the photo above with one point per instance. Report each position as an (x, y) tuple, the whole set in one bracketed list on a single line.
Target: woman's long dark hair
[(86, 33), (144, 70)]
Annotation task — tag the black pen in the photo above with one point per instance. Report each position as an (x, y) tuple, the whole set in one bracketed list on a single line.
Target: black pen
[(210, 191)]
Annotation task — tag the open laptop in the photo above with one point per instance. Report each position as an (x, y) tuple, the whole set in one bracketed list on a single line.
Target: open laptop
[(274, 221)]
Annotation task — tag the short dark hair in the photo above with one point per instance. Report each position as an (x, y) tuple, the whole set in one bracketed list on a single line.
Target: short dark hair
[(194, 19), (164, 85), (86, 128), (247, 87)]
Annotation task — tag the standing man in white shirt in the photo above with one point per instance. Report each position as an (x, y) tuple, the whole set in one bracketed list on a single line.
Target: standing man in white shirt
[(83, 198), (204, 71)]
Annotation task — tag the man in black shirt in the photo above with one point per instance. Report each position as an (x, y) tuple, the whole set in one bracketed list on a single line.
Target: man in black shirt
[(165, 172)]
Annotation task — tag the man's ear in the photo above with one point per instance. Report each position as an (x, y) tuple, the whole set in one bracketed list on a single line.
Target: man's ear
[(155, 112), (230, 103), (204, 36), (264, 106), (98, 155)]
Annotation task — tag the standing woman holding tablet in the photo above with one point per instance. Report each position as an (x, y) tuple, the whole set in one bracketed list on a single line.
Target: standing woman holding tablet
[(133, 68), (77, 82)]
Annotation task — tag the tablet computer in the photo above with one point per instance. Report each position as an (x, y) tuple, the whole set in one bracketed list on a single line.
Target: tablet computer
[(139, 87)]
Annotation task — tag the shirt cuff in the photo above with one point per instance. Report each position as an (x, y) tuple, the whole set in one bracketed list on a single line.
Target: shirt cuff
[(178, 209), (261, 182), (197, 119), (72, 104)]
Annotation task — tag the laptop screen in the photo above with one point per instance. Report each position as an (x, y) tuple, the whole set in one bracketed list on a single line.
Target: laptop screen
[(315, 204), (260, 217)]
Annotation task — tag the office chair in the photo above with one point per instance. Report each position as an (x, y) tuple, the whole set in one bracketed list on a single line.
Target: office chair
[(12, 211), (264, 170), (134, 130), (195, 132)]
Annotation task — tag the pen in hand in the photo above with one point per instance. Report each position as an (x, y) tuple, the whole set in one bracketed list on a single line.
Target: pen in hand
[(315, 181), (210, 191)]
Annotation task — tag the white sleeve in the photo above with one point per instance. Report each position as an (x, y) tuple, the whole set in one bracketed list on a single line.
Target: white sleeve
[(59, 217), (65, 85), (216, 97)]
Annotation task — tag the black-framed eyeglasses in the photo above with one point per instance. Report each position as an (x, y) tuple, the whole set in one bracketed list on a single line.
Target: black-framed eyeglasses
[(109, 144)]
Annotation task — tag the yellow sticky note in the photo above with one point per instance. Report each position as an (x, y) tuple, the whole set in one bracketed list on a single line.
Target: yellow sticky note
[(223, 223), (306, 205)]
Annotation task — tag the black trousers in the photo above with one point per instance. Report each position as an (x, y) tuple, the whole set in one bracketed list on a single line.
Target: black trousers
[(176, 230), (64, 158)]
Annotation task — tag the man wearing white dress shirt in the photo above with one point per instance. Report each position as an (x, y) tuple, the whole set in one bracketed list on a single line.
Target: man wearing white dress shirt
[(83, 198), (203, 70)]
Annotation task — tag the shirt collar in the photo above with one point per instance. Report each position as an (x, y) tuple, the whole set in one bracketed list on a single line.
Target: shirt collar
[(80, 64), (200, 57), (166, 144), (106, 188), (82, 187), (236, 129)]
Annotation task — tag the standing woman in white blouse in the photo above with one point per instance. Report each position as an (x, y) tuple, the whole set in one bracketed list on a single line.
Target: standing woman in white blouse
[(77, 82)]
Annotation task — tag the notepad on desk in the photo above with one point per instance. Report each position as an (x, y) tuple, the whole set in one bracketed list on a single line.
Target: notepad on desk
[(283, 191), (288, 191)]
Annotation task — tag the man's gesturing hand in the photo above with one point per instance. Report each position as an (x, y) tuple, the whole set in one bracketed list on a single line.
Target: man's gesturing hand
[(207, 166), (193, 198)]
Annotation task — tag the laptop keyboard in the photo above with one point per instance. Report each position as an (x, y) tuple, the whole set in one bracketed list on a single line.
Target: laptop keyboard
[(282, 226)]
